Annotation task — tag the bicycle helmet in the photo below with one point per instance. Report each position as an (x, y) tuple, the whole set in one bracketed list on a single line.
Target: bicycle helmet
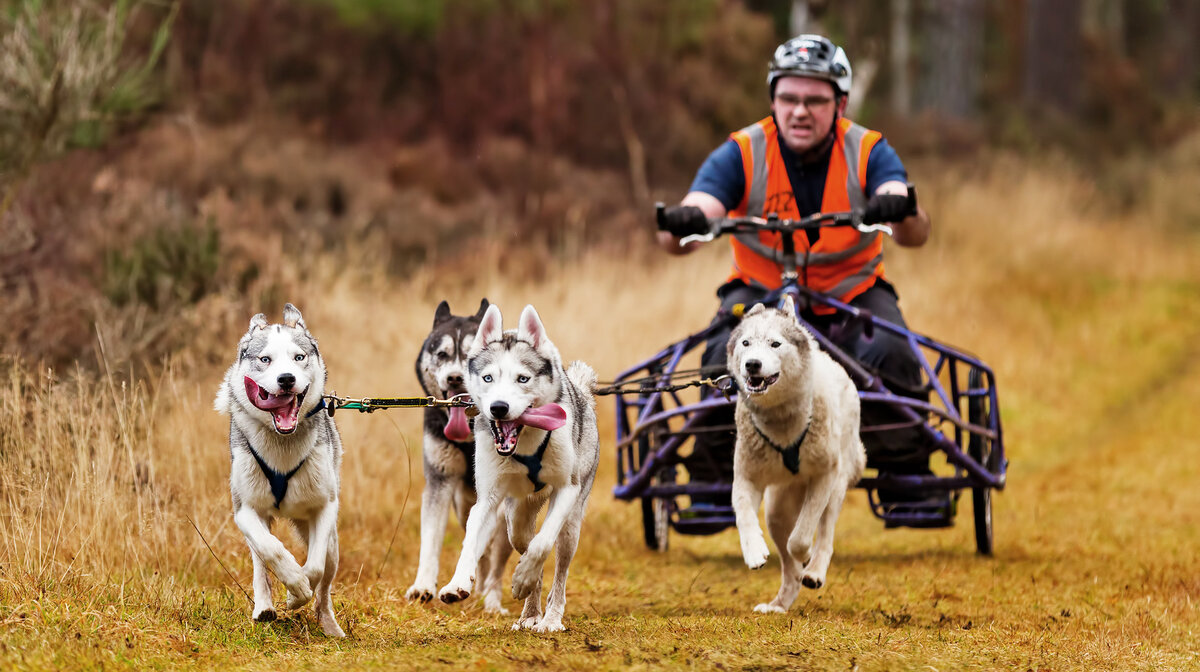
[(810, 56)]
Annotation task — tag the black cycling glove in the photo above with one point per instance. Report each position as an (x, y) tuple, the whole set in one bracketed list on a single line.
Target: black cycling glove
[(887, 208), (683, 220)]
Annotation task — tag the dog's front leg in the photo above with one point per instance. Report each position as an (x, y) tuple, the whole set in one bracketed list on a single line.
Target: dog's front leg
[(815, 500), (264, 604), (529, 567), (746, 499), (481, 522), (275, 555), (435, 510), (321, 530)]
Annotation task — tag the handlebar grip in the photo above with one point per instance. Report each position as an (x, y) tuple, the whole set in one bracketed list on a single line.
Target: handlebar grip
[(660, 216)]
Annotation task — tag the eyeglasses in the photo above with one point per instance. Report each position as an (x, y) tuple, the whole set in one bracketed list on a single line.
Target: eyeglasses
[(810, 103)]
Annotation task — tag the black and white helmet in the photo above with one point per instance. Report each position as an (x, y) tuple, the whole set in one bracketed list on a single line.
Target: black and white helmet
[(810, 56)]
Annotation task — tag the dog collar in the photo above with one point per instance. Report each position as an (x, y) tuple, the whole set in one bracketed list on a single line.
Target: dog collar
[(278, 481), (791, 454), (534, 463), (316, 409)]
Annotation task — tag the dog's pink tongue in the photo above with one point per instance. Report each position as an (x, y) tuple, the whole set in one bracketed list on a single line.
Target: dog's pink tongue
[(457, 429), (548, 417), (264, 401)]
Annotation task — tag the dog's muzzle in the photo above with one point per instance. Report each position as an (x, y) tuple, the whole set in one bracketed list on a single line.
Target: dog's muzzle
[(284, 407)]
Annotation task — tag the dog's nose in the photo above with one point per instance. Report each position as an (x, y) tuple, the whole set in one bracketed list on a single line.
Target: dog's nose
[(753, 366), (454, 381), (499, 410), (286, 381)]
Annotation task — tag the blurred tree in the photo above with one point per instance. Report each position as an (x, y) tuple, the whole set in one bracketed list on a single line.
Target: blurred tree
[(900, 57), (951, 57), (1053, 54)]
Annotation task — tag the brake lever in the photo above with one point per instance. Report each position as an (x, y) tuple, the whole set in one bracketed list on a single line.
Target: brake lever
[(697, 238), (872, 228)]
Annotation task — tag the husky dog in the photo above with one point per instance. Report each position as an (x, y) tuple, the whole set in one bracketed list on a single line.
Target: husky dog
[(535, 441), (797, 440), (286, 457), (449, 455)]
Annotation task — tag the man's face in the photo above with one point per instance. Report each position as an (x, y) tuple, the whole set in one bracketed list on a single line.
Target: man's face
[(804, 110)]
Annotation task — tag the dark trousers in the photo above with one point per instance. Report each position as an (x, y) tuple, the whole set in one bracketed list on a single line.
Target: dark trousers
[(896, 450)]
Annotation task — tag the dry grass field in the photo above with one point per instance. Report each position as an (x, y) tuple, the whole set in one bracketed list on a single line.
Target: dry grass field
[(1091, 323)]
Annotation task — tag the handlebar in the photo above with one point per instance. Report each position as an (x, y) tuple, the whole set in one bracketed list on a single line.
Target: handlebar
[(724, 225)]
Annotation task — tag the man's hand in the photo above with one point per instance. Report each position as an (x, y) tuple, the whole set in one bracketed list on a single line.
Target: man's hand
[(888, 208), (684, 220)]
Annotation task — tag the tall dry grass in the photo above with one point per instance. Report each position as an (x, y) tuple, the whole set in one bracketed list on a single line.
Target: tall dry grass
[(1088, 319)]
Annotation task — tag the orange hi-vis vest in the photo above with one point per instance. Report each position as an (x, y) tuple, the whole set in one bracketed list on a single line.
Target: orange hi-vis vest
[(843, 262)]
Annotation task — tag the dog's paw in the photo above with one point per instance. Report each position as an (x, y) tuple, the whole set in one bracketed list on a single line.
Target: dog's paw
[(422, 592), (811, 580), (755, 552), (527, 623), (330, 626), (548, 624), (767, 608), (492, 606), (265, 615), (299, 595), (456, 592), (527, 575)]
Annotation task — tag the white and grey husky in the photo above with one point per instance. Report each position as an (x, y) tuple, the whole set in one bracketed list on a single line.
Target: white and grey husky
[(449, 456), (535, 441), (285, 460), (797, 441)]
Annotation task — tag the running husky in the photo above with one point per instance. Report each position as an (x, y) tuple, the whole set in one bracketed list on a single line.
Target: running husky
[(449, 452), (535, 441), (797, 440), (286, 457)]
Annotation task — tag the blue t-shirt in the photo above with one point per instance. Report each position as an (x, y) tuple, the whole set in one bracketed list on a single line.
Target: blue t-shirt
[(723, 177)]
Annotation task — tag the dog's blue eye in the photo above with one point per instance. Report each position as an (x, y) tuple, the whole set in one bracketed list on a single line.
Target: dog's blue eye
[(299, 358), (522, 379), (264, 359), (775, 344), (487, 378)]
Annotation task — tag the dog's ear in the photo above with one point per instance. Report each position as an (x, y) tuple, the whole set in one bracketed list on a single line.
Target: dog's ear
[(441, 314), (731, 343), (483, 306), (259, 321), (491, 328), (292, 317), (530, 327), (754, 310), (799, 337), (789, 305)]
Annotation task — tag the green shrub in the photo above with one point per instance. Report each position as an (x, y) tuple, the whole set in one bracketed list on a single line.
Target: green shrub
[(174, 265)]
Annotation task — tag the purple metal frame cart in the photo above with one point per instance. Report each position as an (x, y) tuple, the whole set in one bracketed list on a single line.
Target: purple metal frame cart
[(961, 420)]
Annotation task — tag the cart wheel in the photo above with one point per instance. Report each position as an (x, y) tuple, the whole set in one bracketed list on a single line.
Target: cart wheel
[(656, 516), (979, 412)]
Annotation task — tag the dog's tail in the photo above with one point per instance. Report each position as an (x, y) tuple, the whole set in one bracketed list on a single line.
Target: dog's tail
[(584, 378)]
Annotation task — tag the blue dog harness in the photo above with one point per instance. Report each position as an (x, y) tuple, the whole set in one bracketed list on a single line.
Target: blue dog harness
[(278, 481), (534, 463), (791, 454)]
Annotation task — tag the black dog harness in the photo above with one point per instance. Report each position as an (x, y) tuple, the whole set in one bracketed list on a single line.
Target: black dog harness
[(534, 463), (278, 481), (791, 454)]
